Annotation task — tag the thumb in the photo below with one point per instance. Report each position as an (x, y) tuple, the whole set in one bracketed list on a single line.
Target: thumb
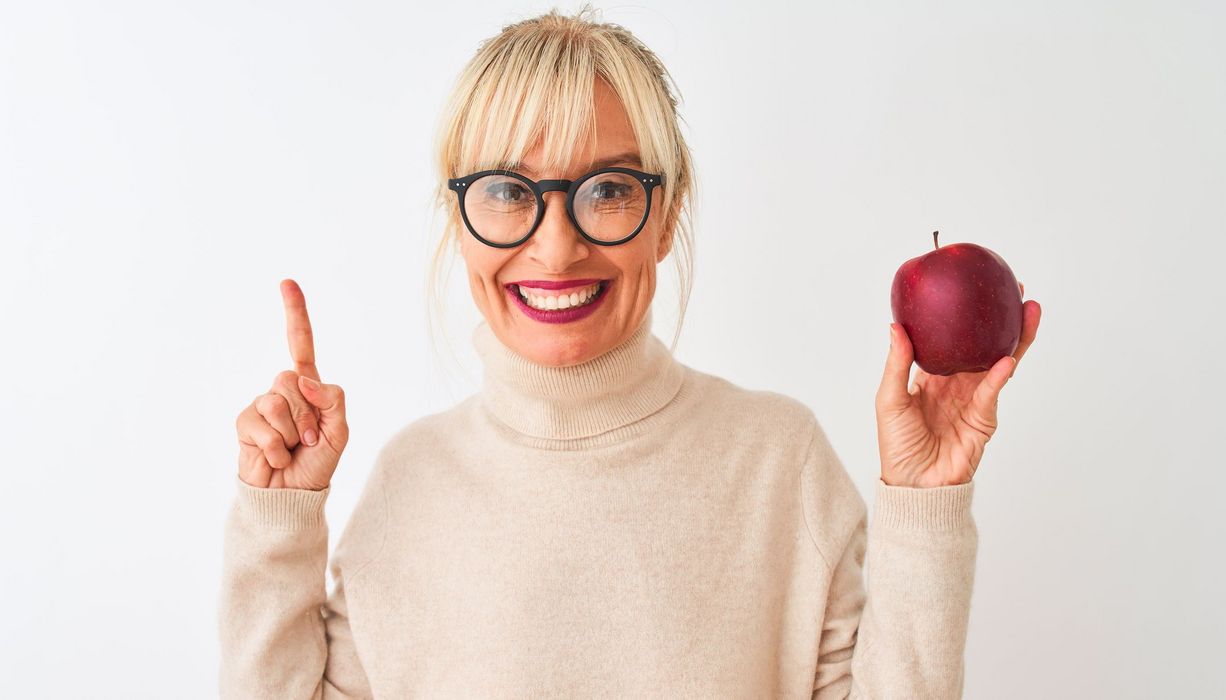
[(328, 398), (893, 393)]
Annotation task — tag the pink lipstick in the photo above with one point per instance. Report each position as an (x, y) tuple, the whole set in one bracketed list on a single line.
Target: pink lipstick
[(567, 315)]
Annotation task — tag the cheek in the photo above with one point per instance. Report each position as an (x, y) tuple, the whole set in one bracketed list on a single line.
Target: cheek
[(637, 259), (484, 266), (482, 262)]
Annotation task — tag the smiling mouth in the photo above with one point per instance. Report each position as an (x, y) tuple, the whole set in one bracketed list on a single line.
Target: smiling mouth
[(544, 300)]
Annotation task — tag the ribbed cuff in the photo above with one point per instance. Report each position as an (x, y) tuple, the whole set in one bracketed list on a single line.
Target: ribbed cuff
[(284, 509), (938, 508)]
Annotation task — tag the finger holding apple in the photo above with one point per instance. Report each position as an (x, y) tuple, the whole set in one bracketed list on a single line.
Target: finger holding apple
[(1031, 313)]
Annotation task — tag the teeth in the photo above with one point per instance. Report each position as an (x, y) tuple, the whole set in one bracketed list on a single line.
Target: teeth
[(563, 301)]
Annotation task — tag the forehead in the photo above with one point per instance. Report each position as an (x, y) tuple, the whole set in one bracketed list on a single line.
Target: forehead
[(613, 135)]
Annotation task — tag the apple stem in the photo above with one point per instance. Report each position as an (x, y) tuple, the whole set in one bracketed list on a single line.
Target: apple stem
[(935, 245)]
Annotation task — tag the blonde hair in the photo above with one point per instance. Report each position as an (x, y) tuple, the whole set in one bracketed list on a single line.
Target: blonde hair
[(534, 80)]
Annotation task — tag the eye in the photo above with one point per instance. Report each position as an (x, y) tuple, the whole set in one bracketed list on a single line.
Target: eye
[(507, 192), (610, 190)]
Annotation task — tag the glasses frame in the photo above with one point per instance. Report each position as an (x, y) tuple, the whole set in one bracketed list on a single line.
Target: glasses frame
[(648, 182)]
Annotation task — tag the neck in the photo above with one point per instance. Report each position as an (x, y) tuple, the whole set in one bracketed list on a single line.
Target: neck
[(626, 383)]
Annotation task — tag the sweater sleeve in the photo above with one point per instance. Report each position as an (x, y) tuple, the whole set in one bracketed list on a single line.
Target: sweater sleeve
[(905, 636), (281, 636)]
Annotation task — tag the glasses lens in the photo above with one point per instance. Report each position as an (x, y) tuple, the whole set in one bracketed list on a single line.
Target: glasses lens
[(610, 206), (500, 208)]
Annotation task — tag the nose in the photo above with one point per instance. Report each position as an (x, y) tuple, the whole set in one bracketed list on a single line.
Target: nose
[(556, 246)]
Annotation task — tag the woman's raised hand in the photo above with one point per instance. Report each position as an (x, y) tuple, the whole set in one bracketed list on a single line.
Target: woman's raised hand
[(934, 433), (292, 436)]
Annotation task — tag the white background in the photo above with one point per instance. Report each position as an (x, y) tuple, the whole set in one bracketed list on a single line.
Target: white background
[(164, 165)]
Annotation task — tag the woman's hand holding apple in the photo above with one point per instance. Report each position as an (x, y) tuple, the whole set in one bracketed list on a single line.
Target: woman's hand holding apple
[(293, 435), (934, 433)]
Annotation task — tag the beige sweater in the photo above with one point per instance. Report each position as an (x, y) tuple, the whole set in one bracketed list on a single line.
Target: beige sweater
[(630, 527)]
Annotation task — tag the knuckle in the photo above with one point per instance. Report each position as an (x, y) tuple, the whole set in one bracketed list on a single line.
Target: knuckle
[(264, 439), (302, 413), (287, 384), (248, 421), (295, 403), (269, 440), (269, 403), (274, 459)]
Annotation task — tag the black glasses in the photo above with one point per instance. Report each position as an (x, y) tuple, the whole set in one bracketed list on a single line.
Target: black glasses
[(502, 208)]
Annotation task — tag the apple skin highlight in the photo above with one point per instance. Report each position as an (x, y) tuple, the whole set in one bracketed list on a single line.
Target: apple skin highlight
[(961, 307)]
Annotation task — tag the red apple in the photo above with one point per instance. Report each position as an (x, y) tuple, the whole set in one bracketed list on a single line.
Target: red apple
[(961, 307)]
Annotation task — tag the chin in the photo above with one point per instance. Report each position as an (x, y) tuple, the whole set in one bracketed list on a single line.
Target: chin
[(562, 352), (553, 349)]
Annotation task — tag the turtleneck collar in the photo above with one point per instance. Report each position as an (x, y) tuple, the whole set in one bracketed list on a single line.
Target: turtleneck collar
[(626, 383)]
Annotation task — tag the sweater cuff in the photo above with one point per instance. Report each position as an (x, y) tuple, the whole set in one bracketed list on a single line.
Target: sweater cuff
[(937, 508), (283, 509)]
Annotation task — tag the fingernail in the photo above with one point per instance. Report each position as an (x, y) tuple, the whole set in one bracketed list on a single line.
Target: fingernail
[(891, 335), (311, 382), (309, 437)]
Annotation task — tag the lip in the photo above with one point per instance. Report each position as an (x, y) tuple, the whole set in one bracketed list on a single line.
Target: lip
[(555, 284), (570, 315)]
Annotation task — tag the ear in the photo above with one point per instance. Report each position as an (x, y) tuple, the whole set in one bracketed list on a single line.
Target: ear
[(666, 235), (666, 244)]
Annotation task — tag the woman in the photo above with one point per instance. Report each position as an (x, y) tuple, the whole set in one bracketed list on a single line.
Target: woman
[(600, 519)]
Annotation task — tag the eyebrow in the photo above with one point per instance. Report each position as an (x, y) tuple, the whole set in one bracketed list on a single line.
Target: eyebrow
[(628, 157)]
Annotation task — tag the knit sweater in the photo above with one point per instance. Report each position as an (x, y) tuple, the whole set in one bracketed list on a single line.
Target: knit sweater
[(628, 527)]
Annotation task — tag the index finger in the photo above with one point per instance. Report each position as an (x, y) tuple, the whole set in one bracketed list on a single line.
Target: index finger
[(298, 327)]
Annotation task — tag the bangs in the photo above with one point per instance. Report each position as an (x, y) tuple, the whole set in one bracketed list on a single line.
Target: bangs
[(540, 89)]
